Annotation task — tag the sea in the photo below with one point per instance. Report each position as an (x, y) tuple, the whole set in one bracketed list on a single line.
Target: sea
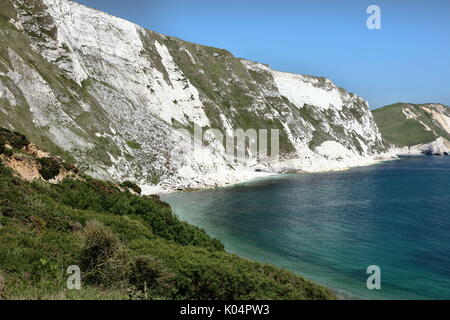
[(333, 227)]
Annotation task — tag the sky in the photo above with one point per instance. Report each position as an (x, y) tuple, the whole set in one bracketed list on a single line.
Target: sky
[(407, 60)]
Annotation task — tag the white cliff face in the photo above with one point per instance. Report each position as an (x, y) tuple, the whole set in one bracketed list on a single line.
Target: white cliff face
[(440, 146), (330, 100), (301, 90), (112, 95), (440, 114), (109, 50)]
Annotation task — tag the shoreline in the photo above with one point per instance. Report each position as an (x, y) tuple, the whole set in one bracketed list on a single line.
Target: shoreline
[(250, 176)]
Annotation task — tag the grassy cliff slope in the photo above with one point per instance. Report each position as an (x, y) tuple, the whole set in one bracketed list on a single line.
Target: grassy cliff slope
[(405, 124), (127, 246)]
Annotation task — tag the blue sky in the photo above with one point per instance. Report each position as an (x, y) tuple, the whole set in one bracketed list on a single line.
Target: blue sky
[(407, 60)]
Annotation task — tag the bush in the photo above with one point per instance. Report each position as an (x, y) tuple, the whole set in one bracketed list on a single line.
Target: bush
[(103, 197), (99, 245), (132, 186), (102, 259), (205, 275), (134, 145), (154, 180), (50, 167), (4, 150), (2, 288), (148, 274), (15, 139)]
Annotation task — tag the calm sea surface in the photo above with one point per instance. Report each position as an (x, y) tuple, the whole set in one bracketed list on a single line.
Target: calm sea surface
[(329, 227)]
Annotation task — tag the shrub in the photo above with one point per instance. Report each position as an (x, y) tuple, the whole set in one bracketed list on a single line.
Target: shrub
[(37, 222), (50, 167), (2, 288), (6, 151), (102, 258), (15, 139), (132, 186), (134, 145), (148, 274), (205, 275), (70, 167), (154, 180), (99, 245), (103, 197)]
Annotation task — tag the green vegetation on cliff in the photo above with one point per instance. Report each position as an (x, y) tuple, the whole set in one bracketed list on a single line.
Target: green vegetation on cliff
[(127, 246), (398, 129)]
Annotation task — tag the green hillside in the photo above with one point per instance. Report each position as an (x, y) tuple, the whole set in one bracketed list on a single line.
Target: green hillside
[(127, 246), (397, 129)]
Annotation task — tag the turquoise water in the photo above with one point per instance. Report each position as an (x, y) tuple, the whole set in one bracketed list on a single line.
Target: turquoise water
[(329, 227)]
